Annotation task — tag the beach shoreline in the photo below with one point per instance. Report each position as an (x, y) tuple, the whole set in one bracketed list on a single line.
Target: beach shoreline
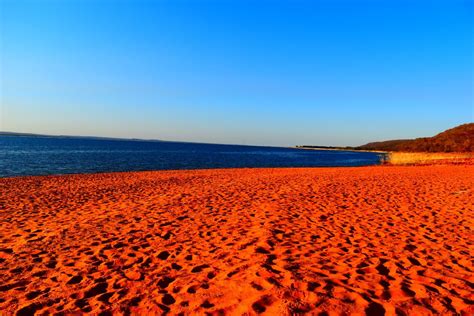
[(277, 241)]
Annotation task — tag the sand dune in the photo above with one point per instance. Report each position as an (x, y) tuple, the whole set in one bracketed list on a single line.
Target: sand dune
[(369, 240)]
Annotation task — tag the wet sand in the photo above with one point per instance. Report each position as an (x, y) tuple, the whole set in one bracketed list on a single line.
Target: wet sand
[(368, 240)]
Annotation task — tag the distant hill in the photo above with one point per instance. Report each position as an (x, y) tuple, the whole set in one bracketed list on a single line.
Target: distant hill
[(457, 139), (4, 133), (21, 134)]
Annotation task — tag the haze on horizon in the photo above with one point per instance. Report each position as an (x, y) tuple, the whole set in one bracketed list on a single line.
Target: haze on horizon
[(269, 73)]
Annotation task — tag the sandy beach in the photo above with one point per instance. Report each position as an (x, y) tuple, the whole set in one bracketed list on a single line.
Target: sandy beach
[(369, 240)]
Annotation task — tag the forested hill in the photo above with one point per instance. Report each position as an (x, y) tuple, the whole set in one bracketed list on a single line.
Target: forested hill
[(457, 139)]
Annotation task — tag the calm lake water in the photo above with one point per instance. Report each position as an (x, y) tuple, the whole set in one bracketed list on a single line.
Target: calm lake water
[(51, 155)]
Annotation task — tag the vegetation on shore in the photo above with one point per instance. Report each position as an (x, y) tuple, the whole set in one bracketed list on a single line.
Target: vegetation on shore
[(453, 146), (425, 158)]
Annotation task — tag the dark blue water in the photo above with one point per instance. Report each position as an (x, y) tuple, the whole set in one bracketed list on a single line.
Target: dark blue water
[(50, 155)]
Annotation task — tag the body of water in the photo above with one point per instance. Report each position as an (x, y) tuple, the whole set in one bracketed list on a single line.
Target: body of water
[(20, 155)]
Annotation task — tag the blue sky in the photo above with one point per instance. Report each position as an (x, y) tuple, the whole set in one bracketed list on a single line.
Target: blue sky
[(273, 72)]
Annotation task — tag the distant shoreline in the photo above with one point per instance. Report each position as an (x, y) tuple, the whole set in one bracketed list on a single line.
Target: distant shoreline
[(15, 134), (340, 149), (410, 158)]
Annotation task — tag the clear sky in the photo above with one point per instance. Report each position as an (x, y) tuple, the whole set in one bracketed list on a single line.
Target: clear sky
[(274, 72)]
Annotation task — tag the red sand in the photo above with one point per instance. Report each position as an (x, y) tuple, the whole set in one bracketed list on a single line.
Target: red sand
[(278, 241)]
